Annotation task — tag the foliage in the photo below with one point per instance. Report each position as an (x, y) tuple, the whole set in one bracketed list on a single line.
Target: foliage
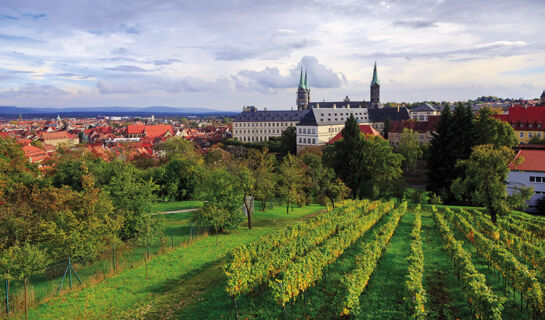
[(484, 302), (504, 261), (262, 162), (223, 198), (19, 262), (417, 294), (288, 141), (291, 180), (250, 266), (484, 181), (493, 131), (353, 283), (367, 165), (177, 147), (410, 149)]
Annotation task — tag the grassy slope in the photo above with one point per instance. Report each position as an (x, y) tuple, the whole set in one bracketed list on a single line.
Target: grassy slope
[(130, 292), (445, 299)]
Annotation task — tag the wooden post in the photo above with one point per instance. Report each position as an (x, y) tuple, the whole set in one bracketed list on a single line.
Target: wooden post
[(26, 312)]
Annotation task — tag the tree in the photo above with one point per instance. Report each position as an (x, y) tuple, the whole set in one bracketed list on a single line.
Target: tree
[(179, 178), (387, 128), (223, 198), (367, 165), (485, 177), (288, 141), (291, 179), (489, 130), (262, 162), (334, 188), (19, 262), (177, 147), (410, 149)]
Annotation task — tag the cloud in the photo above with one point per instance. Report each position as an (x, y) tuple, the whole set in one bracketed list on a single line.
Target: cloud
[(33, 90), (164, 62), (267, 50), (129, 29), (416, 24), (491, 49), (269, 79), (7, 17), (526, 71), (71, 75), (12, 38), (35, 16), (169, 85), (127, 68)]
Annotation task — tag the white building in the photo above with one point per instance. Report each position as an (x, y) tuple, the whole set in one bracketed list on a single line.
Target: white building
[(423, 111), (529, 173), (257, 126)]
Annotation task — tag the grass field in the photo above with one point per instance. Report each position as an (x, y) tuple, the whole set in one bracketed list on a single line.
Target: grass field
[(173, 277)]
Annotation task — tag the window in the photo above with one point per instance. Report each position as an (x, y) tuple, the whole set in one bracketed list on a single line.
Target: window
[(300, 130), (521, 134), (538, 179), (539, 134), (305, 131), (304, 140), (300, 140), (313, 141), (529, 134), (530, 125)]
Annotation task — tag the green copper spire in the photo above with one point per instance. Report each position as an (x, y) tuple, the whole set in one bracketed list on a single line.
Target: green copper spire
[(375, 77), (301, 83), (306, 81)]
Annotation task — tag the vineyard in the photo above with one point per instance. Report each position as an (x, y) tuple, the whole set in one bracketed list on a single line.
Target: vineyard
[(381, 260)]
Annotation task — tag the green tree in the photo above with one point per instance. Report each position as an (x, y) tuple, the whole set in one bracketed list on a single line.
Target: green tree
[(493, 131), (262, 162), (440, 160), (288, 141), (19, 262), (291, 179), (223, 197), (486, 173), (177, 147), (410, 149)]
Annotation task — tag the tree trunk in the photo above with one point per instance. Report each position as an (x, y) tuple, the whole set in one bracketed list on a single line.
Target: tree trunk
[(146, 263), (493, 217), (26, 312), (332, 202), (288, 207), (248, 211)]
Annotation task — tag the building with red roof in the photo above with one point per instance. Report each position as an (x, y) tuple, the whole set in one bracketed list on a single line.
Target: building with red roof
[(529, 172), (528, 122), (364, 128), (34, 154), (424, 129), (58, 137), (153, 132)]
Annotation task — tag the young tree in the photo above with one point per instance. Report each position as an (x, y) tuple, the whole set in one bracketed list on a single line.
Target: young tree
[(485, 178), (262, 163), (489, 130), (291, 178), (223, 197), (177, 147), (410, 149), (19, 262)]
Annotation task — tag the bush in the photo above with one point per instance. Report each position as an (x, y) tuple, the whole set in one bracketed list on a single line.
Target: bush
[(435, 198)]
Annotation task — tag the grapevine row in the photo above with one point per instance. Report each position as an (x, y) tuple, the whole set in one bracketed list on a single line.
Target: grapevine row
[(250, 266), (417, 295), (504, 261), (536, 229), (353, 283), (306, 270), (483, 301), (533, 254)]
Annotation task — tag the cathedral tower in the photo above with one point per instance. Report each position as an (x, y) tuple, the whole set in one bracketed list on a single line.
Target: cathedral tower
[(375, 90), (542, 100), (303, 92)]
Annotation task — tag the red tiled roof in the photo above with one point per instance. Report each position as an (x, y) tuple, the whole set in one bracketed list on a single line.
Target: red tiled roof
[(364, 128), (534, 160), (135, 128), (418, 126), (56, 135), (522, 118), (153, 132)]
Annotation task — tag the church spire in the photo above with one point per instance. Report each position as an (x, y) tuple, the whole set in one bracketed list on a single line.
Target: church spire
[(306, 80), (301, 83), (375, 76)]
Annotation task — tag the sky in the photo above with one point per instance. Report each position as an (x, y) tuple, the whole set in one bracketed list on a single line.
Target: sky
[(228, 53)]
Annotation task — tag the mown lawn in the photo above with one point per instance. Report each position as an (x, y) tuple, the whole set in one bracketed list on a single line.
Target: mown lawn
[(171, 276)]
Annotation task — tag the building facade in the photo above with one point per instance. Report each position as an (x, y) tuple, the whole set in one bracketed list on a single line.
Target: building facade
[(529, 173), (259, 126), (423, 111)]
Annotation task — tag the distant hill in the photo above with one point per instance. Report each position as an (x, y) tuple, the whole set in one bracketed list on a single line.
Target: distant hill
[(10, 112)]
